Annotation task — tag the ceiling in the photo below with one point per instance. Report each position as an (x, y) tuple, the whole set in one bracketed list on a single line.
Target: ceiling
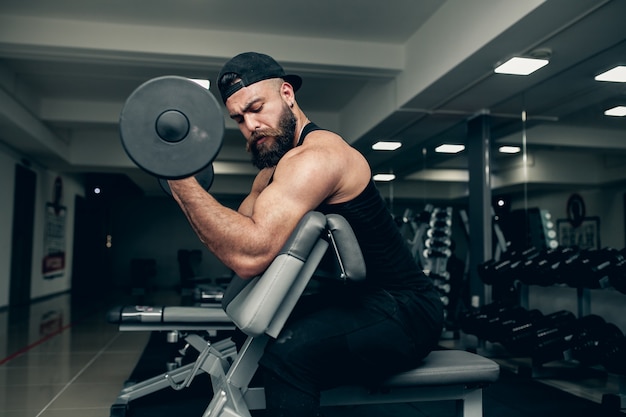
[(412, 71)]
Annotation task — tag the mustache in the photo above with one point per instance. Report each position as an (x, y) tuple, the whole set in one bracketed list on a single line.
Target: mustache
[(258, 134)]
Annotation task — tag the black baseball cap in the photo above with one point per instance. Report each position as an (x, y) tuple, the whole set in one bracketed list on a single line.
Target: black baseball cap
[(252, 67)]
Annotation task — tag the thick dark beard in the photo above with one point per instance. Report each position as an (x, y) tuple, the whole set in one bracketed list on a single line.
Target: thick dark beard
[(283, 136)]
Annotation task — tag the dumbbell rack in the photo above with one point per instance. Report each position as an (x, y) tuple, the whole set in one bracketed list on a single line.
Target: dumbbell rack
[(520, 294), (435, 250), (428, 237), (613, 401)]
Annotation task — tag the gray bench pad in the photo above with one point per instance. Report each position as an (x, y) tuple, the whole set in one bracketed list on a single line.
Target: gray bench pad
[(168, 315), (195, 315), (448, 367)]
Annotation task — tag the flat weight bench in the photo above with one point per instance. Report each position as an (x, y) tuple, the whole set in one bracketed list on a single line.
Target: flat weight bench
[(260, 307), (190, 322)]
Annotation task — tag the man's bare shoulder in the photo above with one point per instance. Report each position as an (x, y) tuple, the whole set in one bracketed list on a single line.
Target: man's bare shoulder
[(320, 165), (324, 144)]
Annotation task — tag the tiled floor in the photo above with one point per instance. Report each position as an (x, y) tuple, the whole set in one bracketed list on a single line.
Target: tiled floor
[(57, 359)]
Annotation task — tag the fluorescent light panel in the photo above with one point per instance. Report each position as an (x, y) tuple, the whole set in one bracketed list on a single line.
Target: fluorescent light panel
[(384, 177), (386, 146), (202, 83), (616, 75), (619, 111), (448, 148), (521, 66), (509, 149)]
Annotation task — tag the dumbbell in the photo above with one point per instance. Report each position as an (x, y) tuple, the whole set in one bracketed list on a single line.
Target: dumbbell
[(592, 338), (553, 336), (505, 270), (568, 256), (172, 128), (542, 336), (471, 321), (519, 267), (492, 271), (514, 321), (559, 259), (519, 336), (443, 233), (542, 268), (437, 253), (499, 327), (481, 321), (590, 269)]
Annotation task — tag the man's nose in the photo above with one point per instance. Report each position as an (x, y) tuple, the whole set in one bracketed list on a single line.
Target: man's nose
[(252, 123)]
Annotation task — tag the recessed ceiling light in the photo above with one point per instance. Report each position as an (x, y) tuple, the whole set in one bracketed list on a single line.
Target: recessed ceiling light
[(448, 148), (386, 146), (619, 111), (617, 75), (509, 149), (384, 177), (202, 83), (521, 66)]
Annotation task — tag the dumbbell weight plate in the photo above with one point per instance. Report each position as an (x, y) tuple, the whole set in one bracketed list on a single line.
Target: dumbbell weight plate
[(204, 177), (171, 127)]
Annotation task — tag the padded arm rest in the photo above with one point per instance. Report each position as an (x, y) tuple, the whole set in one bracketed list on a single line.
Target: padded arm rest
[(346, 248), (252, 304)]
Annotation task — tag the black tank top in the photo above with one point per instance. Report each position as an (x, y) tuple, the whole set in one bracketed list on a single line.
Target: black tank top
[(388, 260)]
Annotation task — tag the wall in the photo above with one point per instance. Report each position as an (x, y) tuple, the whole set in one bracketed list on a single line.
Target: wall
[(605, 203), (40, 287), (155, 227)]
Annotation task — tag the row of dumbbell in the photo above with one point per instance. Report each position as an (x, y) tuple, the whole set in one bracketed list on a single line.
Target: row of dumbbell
[(589, 340), (437, 241), (577, 268), (437, 250)]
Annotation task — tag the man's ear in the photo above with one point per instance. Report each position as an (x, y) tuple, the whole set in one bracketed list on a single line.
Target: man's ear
[(287, 93)]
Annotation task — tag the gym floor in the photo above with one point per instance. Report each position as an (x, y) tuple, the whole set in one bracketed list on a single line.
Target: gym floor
[(60, 358)]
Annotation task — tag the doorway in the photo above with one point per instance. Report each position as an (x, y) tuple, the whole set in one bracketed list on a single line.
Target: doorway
[(22, 235)]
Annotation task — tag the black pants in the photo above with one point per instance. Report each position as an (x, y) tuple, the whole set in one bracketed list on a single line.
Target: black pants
[(341, 338)]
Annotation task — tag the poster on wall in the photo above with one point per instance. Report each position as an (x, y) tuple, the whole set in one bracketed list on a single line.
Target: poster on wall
[(578, 230), (584, 236), (53, 265)]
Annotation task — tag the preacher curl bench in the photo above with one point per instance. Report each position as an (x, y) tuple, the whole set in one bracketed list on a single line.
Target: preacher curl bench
[(260, 307)]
